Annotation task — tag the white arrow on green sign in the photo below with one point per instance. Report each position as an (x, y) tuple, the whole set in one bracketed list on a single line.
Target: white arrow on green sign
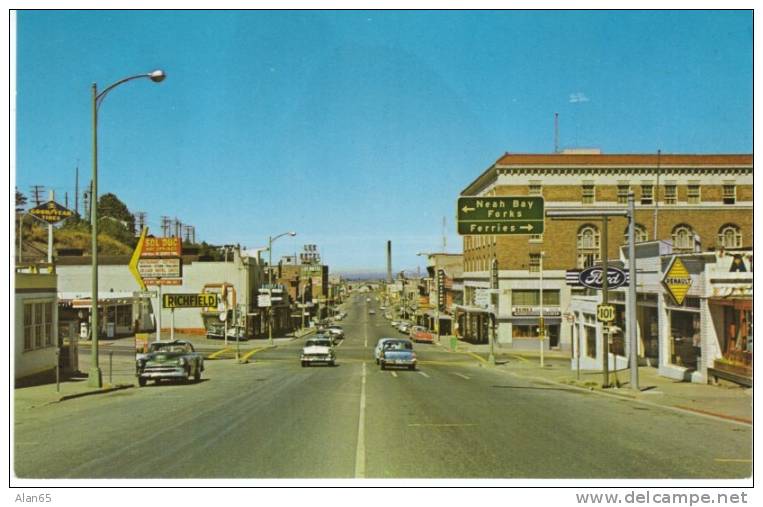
[(505, 215)]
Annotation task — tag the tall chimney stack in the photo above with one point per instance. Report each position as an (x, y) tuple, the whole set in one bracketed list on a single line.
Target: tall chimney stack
[(389, 261)]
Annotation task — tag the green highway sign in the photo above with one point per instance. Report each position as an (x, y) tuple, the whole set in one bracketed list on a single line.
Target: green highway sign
[(500, 215)]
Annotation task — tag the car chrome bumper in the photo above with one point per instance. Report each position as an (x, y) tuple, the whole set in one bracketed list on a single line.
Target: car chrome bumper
[(164, 373)]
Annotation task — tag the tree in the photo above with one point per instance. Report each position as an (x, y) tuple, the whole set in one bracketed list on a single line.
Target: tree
[(21, 201), (110, 206)]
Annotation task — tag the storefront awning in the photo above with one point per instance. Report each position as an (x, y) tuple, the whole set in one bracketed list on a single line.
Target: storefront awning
[(471, 309)]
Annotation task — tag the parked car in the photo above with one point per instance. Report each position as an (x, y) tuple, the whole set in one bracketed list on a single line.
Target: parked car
[(169, 360), (380, 347), (372, 312), (420, 334), (336, 332), (318, 349), (398, 352), (394, 323), (403, 327)]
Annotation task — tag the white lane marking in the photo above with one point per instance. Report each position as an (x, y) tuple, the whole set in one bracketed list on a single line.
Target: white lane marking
[(360, 450), (393, 373), (461, 375), (422, 373)]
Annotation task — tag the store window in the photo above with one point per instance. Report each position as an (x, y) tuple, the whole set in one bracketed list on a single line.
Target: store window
[(588, 246), (684, 338), (124, 316), (535, 188), (28, 327), (590, 340), (683, 238), (38, 325), (730, 236)]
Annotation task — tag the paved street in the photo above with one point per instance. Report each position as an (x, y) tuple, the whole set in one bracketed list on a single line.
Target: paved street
[(453, 417)]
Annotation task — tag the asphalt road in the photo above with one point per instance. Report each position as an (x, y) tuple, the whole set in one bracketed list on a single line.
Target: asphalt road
[(452, 418)]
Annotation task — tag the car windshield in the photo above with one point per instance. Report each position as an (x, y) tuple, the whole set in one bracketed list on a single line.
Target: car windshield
[(170, 347), (398, 346), (318, 343)]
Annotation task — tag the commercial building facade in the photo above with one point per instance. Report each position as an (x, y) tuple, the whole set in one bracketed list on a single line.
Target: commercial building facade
[(696, 202)]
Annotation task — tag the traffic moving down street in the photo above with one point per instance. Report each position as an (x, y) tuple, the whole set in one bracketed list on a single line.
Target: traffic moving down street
[(449, 417)]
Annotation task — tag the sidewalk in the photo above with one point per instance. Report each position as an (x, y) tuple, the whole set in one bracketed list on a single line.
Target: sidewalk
[(117, 374), (725, 400)]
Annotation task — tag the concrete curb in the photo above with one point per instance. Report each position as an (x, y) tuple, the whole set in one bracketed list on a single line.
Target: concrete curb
[(626, 396), (117, 387)]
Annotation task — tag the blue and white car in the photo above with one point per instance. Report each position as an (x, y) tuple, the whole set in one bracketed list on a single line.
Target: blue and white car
[(380, 347), (398, 352)]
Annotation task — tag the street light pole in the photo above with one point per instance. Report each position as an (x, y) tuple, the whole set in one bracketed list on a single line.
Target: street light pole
[(271, 240), (95, 377)]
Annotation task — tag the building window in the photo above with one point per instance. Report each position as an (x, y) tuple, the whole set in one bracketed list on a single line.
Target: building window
[(589, 193), (729, 193), (647, 193), (641, 234), (28, 327), (531, 297), (683, 238), (38, 325), (671, 193), (622, 193), (588, 246), (534, 262), (535, 188), (692, 193), (590, 339), (124, 316), (730, 236)]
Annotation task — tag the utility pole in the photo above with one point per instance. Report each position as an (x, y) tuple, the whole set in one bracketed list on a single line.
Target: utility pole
[(51, 197), (140, 219), (36, 191), (633, 349), (655, 195), (165, 226), (541, 319), (178, 227), (605, 296), (494, 300), (76, 189)]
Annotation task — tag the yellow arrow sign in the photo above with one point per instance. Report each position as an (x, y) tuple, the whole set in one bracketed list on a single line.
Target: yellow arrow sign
[(136, 257)]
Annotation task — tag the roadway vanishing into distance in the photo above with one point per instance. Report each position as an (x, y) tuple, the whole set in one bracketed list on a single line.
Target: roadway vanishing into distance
[(453, 418)]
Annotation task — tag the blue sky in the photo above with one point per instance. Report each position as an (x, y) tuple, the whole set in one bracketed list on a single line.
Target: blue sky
[(355, 127)]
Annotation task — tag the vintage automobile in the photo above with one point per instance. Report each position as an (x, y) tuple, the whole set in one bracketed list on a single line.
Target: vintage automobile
[(169, 360), (398, 352), (380, 347), (404, 327), (318, 349), (420, 334), (336, 332)]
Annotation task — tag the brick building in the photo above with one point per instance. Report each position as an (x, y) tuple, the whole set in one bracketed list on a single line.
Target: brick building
[(696, 202)]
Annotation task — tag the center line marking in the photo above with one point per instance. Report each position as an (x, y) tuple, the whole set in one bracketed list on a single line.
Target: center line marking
[(360, 450), (424, 374), (461, 375)]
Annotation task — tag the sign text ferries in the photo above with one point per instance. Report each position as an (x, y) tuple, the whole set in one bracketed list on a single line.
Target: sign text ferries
[(500, 215)]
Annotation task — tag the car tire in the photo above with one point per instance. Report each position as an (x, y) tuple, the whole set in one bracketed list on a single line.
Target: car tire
[(412, 367), (332, 363), (383, 366), (377, 361), (141, 381), (197, 375), (304, 364)]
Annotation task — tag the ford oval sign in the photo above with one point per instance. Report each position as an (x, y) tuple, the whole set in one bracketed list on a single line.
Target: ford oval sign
[(593, 277)]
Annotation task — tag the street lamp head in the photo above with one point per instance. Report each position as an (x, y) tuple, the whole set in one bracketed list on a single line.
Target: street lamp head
[(292, 234), (157, 76)]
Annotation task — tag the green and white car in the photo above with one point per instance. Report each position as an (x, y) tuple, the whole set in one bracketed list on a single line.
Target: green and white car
[(169, 360)]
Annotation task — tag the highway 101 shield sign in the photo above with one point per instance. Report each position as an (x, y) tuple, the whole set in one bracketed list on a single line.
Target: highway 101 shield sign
[(506, 215)]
